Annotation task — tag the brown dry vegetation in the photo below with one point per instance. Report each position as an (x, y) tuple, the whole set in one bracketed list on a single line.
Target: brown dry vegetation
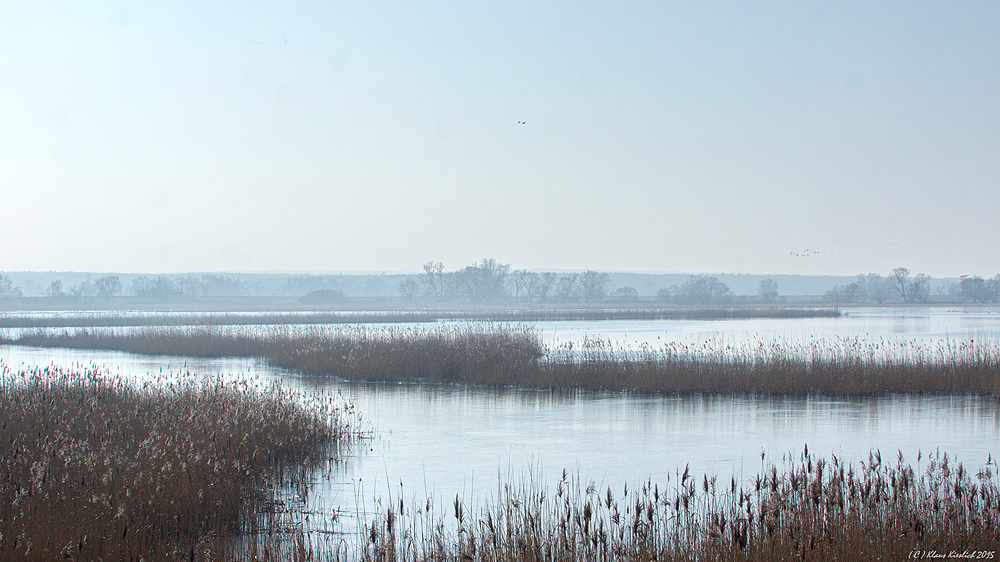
[(513, 355), (811, 509), (96, 468)]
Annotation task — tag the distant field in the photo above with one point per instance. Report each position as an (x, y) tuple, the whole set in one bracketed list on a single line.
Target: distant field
[(187, 317)]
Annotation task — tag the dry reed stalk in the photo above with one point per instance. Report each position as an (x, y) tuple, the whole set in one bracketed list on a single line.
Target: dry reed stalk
[(93, 467), (810, 509)]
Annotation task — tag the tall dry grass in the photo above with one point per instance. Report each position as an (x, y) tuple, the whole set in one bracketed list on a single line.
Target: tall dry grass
[(514, 355), (846, 366), (809, 509), (93, 467)]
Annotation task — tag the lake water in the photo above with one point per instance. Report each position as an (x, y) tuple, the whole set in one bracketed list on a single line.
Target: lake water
[(442, 441)]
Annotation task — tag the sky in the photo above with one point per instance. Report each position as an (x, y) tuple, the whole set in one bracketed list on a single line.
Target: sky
[(366, 136)]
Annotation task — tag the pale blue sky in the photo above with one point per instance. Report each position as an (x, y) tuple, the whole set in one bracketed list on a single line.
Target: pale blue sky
[(376, 136)]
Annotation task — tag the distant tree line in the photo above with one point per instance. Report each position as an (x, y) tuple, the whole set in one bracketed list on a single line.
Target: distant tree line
[(973, 288), (698, 289), (156, 288), (163, 288), (489, 281), (899, 286), (874, 288), (707, 290), (103, 287)]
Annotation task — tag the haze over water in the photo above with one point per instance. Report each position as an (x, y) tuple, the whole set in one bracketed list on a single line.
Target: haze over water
[(443, 441)]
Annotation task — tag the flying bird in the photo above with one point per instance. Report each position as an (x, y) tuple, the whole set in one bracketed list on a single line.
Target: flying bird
[(522, 122)]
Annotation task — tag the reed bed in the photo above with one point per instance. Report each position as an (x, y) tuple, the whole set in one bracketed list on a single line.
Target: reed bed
[(93, 467), (836, 367), (809, 509), (513, 355), (533, 314)]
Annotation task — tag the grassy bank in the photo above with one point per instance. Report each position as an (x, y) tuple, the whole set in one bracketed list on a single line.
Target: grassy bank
[(512, 355), (810, 509), (97, 468), (481, 314)]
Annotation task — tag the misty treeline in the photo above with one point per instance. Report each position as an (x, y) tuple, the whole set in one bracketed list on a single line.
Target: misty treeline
[(707, 290), (900, 286), (490, 281), (160, 287), (485, 282), (105, 287), (168, 288)]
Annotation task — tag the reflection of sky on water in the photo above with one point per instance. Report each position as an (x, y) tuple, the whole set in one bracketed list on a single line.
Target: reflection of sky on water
[(923, 325), (928, 324), (444, 441)]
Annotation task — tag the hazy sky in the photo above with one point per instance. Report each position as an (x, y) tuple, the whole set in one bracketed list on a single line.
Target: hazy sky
[(369, 136)]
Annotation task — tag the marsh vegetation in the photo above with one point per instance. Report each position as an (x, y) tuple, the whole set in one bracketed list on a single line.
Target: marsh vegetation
[(94, 467), (191, 468), (805, 507), (514, 355)]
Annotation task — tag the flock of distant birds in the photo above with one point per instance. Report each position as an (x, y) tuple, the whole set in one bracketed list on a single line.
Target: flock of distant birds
[(805, 253)]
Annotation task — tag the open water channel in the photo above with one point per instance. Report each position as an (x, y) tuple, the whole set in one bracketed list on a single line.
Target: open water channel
[(441, 441)]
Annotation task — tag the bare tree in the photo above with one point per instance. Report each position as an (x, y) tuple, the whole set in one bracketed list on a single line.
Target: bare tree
[(55, 289), (900, 280), (702, 289), (911, 290), (484, 282), (84, 289), (920, 288), (993, 287), (8, 290), (567, 289), (158, 288), (434, 279), (852, 293), (409, 289), (108, 286), (875, 287), (668, 294), (594, 286), (625, 294), (768, 290), (540, 287), (974, 288), (520, 279)]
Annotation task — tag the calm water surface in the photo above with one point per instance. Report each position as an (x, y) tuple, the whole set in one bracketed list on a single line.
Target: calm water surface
[(443, 441)]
